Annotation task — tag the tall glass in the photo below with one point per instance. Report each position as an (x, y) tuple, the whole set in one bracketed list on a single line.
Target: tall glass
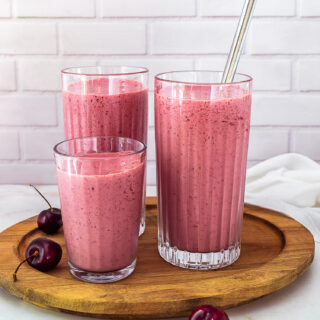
[(202, 133), (100, 186), (106, 100)]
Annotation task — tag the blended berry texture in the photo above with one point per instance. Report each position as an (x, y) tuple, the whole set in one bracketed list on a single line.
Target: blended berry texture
[(101, 209), (106, 107), (201, 145)]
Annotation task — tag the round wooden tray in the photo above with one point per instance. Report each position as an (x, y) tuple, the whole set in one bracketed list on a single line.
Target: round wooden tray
[(275, 251)]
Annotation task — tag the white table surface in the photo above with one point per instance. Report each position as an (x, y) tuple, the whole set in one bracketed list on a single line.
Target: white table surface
[(300, 300)]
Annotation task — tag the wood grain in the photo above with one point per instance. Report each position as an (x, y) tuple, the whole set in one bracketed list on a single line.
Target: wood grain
[(275, 251)]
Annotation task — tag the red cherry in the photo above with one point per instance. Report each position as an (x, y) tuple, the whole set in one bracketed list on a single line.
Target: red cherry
[(49, 220), (208, 312), (42, 254)]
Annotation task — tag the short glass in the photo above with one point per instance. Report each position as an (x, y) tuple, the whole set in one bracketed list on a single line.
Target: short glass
[(202, 132), (100, 183), (106, 101)]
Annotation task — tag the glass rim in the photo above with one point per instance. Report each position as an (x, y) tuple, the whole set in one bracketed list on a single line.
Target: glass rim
[(139, 70), (65, 155), (159, 78)]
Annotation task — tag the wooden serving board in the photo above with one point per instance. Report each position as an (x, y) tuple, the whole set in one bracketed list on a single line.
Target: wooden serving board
[(275, 251)]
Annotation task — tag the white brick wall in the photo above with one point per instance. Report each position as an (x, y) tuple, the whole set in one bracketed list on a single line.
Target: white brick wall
[(102, 38), (40, 37), (309, 8), (28, 110), (57, 8), (148, 8), (37, 144), (27, 38), (191, 37), (264, 8), (7, 75), (9, 145), (308, 74), (286, 110), (284, 37), (307, 141), (267, 142), (44, 74)]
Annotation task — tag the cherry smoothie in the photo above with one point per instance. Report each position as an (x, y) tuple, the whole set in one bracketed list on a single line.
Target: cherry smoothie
[(106, 107), (101, 204), (201, 144)]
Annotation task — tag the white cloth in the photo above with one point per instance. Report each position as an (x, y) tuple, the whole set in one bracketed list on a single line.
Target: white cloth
[(289, 183)]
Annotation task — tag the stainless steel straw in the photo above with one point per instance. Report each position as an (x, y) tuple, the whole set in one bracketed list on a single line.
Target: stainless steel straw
[(238, 40)]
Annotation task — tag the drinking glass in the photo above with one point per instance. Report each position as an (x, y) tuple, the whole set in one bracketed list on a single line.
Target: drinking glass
[(106, 101), (100, 183), (202, 132)]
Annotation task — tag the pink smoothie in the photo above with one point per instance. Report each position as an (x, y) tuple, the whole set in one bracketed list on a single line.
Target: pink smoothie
[(105, 107), (201, 149), (101, 209)]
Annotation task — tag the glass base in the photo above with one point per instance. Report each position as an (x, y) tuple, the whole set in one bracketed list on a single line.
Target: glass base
[(102, 277), (198, 260)]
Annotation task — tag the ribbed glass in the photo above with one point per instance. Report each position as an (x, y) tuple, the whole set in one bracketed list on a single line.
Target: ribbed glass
[(100, 182), (202, 133)]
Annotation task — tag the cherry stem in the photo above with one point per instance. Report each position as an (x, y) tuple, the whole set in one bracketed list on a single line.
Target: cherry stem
[(42, 196), (22, 262)]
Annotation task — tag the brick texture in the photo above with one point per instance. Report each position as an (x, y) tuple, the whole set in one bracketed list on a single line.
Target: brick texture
[(27, 38), (310, 8), (191, 37), (7, 76), (45, 74), (38, 144), (102, 38), (38, 38), (286, 110), (264, 8), (304, 141), (309, 74), (266, 143), (28, 110), (57, 8), (296, 37), (148, 8), (9, 147)]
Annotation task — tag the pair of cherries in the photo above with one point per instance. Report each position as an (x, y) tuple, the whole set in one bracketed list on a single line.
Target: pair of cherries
[(44, 254)]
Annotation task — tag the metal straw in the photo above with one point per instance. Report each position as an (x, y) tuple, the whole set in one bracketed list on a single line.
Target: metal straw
[(238, 40)]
